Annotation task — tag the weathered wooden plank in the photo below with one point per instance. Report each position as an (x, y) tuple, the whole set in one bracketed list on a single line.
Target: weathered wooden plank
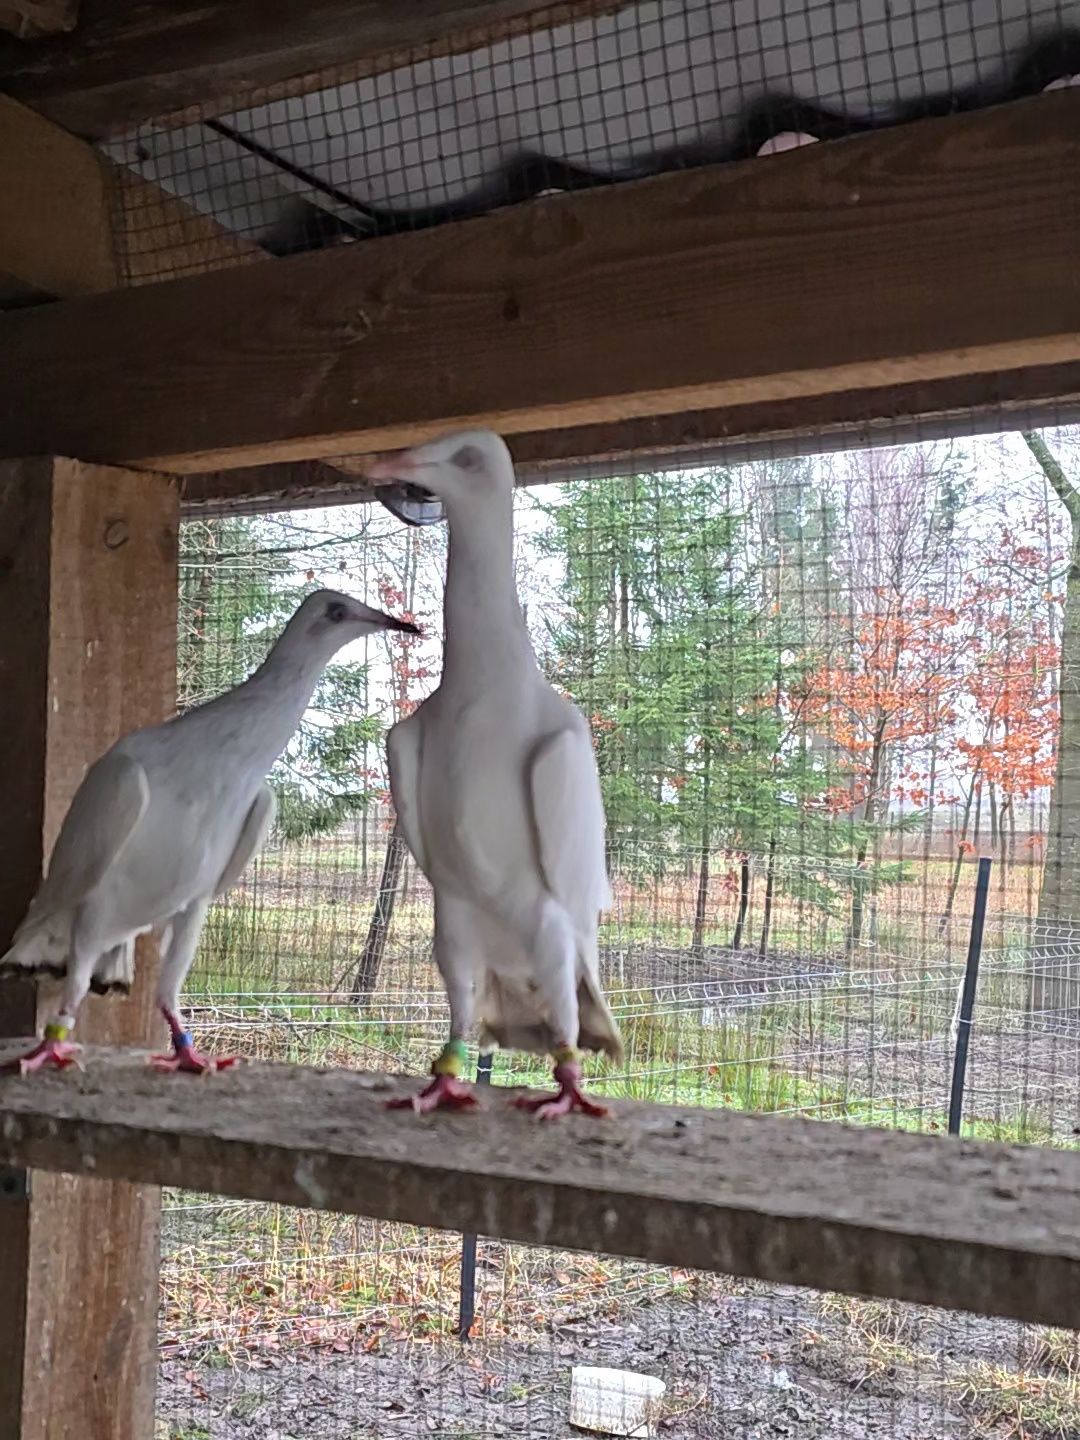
[(137, 60), (158, 237), (30, 19), (88, 584), (55, 231), (988, 1228), (73, 224), (913, 256)]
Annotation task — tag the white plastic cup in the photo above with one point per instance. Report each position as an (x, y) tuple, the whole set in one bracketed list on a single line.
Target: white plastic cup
[(615, 1402)]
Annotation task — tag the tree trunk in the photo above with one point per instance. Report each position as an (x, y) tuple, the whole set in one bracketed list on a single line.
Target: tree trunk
[(367, 971), (958, 863), (873, 784), (770, 890), (697, 943), (744, 902), (1058, 989)]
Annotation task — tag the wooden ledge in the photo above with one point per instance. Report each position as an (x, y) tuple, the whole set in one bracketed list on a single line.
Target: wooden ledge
[(988, 1228)]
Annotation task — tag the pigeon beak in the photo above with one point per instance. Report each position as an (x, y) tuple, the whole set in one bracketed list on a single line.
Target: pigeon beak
[(390, 622), (400, 466)]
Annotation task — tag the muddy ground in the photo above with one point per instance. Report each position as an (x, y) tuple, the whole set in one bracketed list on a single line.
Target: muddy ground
[(749, 1364)]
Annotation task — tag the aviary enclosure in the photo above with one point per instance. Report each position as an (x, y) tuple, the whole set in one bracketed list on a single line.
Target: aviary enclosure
[(829, 657)]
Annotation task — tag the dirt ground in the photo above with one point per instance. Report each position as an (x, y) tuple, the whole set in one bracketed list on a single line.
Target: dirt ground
[(749, 1364)]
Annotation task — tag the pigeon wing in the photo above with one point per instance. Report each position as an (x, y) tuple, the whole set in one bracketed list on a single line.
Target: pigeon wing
[(403, 759), (253, 833), (99, 824), (568, 814)]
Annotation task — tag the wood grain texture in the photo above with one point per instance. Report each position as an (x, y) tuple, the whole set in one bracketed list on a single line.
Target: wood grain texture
[(88, 583), (136, 60), (913, 256), (158, 237), (55, 228), (31, 19), (980, 1227)]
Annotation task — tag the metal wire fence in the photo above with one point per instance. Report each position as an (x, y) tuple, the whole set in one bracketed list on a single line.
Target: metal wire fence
[(819, 690), (613, 93)]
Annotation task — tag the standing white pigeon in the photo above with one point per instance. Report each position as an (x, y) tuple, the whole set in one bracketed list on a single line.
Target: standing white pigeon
[(498, 798), (166, 821)]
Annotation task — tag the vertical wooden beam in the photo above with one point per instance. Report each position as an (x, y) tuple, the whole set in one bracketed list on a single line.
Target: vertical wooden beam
[(88, 585), (56, 232)]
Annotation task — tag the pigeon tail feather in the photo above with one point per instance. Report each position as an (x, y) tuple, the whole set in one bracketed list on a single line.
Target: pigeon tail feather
[(42, 950), (512, 1019)]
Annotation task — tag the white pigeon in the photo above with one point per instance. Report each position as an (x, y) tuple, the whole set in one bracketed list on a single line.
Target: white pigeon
[(496, 791), (166, 821)]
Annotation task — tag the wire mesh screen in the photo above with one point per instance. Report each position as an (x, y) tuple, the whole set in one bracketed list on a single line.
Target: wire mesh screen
[(633, 90), (819, 690)]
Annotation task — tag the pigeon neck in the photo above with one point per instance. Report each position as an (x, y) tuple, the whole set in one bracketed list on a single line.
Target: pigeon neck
[(481, 610), (285, 682)]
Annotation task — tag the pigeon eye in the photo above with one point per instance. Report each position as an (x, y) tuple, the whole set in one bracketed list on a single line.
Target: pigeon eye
[(336, 612), (467, 458)]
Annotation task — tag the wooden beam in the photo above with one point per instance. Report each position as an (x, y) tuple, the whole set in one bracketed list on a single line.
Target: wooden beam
[(55, 229), (988, 1228), (811, 424), (807, 425), (74, 224), (158, 237), (915, 256), (31, 19), (88, 584), (181, 59)]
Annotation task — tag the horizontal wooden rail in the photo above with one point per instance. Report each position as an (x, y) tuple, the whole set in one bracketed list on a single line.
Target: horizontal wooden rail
[(913, 256), (970, 1226), (810, 424), (132, 61)]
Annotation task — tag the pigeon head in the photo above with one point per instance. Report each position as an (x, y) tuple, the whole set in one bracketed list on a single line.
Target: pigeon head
[(328, 615), (418, 484)]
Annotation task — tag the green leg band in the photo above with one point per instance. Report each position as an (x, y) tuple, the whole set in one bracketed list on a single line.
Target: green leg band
[(451, 1059), (56, 1032)]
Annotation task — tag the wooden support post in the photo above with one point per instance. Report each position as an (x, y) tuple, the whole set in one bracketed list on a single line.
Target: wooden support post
[(88, 586)]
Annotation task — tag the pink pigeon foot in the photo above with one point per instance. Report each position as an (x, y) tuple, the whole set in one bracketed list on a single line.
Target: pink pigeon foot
[(185, 1057), (446, 1092), (57, 1053), (569, 1098)]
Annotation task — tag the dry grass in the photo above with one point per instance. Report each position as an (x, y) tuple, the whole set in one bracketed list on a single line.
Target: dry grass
[(1036, 1398)]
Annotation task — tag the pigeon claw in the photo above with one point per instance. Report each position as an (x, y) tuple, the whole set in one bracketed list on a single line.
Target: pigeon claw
[(58, 1054), (569, 1099), (446, 1092), (192, 1062)]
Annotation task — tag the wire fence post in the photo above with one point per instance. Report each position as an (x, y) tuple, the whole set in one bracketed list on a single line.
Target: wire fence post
[(967, 999), (467, 1304)]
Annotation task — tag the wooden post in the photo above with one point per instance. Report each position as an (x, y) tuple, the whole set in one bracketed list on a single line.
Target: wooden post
[(88, 585)]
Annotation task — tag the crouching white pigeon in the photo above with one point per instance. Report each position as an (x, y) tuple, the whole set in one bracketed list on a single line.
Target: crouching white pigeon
[(497, 795), (166, 821)]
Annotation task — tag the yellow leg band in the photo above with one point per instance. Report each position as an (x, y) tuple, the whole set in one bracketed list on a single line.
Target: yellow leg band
[(56, 1032), (565, 1055), (450, 1059)]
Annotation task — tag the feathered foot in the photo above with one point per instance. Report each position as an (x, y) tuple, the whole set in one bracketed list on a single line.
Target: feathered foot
[(54, 1050), (185, 1057), (569, 1098), (447, 1090)]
